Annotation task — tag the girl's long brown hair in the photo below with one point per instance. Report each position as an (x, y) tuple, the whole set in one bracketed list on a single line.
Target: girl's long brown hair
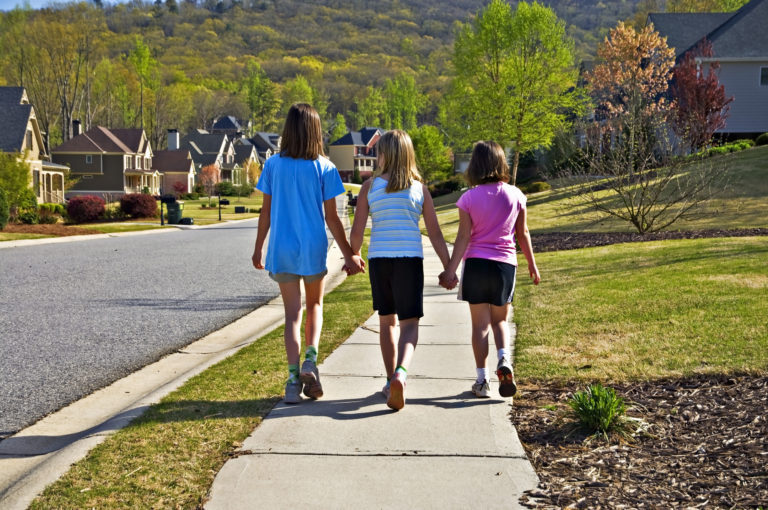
[(487, 164), (399, 160), (302, 134)]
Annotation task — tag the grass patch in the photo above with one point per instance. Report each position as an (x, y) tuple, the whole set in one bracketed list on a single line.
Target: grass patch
[(7, 236), (193, 209), (645, 311), (112, 228), (169, 457)]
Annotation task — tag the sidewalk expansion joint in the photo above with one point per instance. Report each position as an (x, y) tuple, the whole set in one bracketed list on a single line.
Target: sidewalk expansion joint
[(409, 453)]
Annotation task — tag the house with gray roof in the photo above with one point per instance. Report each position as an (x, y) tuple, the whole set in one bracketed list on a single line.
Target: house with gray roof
[(213, 149), (20, 134), (109, 162), (266, 144), (356, 150), (740, 46), (177, 170)]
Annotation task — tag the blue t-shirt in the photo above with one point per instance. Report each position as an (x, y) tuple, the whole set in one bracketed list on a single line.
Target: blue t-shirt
[(297, 240)]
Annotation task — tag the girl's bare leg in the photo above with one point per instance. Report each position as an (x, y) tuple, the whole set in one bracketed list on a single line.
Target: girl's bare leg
[(291, 293), (481, 330), (387, 342)]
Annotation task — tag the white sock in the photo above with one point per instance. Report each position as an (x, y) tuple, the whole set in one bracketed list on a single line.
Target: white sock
[(503, 353), (482, 374)]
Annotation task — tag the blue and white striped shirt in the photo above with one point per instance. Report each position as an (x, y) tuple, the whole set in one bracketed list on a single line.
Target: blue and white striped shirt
[(395, 231)]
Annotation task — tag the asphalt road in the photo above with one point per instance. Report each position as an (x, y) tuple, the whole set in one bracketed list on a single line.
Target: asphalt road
[(76, 316)]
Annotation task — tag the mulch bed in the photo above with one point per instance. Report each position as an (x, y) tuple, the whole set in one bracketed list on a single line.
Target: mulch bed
[(556, 241), (56, 229), (705, 446), (705, 442)]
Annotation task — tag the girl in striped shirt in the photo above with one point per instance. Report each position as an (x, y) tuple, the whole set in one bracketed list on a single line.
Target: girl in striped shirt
[(396, 198)]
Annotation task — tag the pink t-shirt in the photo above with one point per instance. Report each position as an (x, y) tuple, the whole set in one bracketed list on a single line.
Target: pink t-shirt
[(493, 208)]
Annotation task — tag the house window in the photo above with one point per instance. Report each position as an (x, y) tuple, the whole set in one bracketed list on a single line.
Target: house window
[(29, 140), (127, 162), (138, 162), (764, 76), (88, 159)]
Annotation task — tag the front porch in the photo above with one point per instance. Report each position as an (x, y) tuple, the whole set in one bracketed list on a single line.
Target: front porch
[(49, 184), (139, 181)]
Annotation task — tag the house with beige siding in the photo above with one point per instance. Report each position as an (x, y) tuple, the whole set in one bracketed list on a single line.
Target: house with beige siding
[(177, 170), (109, 162), (355, 151), (740, 46), (20, 134)]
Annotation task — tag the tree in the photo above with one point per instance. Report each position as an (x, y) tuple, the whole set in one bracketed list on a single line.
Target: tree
[(704, 5), (298, 90), (370, 108), (432, 156), (261, 96), (402, 102), (642, 179), (15, 178), (145, 66), (515, 78), (210, 176), (339, 128), (701, 105), (252, 172)]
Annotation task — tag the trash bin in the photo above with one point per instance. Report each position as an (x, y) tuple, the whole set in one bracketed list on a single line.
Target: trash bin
[(174, 213), (187, 221), (239, 209)]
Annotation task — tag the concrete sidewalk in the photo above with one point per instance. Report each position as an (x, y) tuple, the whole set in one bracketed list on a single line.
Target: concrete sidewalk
[(445, 449)]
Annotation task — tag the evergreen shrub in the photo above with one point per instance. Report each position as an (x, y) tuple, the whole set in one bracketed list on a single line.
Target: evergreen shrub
[(85, 208), (762, 139), (138, 205)]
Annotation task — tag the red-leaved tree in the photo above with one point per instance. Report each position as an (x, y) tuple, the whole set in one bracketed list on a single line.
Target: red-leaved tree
[(702, 107), (210, 176)]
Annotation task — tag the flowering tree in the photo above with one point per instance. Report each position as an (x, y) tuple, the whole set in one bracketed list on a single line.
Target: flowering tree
[(629, 145), (210, 176), (702, 107)]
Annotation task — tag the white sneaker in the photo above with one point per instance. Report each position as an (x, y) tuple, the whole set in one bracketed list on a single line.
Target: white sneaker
[(292, 392), (507, 384), (481, 389), (310, 378)]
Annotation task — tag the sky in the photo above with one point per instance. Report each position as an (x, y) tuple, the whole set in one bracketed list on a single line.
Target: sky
[(7, 5)]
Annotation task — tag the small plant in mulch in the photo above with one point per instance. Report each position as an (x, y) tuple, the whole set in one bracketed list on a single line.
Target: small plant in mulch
[(598, 410)]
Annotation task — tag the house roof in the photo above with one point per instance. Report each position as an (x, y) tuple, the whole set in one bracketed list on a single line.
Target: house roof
[(178, 161), (739, 34), (228, 123), (264, 141), (101, 139), (202, 143), (12, 95), (362, 137), (244, 152), (14, 119)]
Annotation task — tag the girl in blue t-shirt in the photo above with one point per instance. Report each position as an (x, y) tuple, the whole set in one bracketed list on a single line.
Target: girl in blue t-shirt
[(396, 198), (299, 184)]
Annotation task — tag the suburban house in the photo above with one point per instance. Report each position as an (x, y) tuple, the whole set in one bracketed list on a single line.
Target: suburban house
[(177, 170), (20, 134), (266, 144), (245, 155), (355, 151), (211, 149), (740, 45), (229, 126), (109, 162)]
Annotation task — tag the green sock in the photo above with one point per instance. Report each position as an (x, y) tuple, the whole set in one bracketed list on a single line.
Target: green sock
[(403, 372), (311, 354), (293, 373)]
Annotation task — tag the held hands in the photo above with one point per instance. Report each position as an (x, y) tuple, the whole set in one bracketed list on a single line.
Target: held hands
[(448, 279), (353, 265)]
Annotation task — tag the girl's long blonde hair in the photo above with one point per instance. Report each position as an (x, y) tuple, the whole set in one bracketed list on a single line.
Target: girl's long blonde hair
[(398, 160)]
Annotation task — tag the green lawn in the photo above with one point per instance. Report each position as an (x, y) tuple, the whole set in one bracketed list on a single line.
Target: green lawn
[(645, 310), (193, 209), (742, 204), (7, 236), (112, 228)]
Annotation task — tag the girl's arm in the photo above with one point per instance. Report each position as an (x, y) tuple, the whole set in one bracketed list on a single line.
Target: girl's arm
[(361, 218), (459, 248), (524, 240), (352, 262), (433, 228), (265, 217)]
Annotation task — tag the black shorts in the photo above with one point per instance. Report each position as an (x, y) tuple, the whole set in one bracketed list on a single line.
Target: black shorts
[(397, 286), (487, 281)]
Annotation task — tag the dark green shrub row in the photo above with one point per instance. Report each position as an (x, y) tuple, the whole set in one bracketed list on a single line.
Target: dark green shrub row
[(53, 208), (85, 208), (449, 185), (738, 145), (227, 189), (534, 187), (139, 205)]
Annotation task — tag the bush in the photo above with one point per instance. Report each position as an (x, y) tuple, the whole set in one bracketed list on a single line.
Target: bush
[(534, 187), (5, 210), (46, 217), (29, 217), (245, 190), (52, 208), (598, 409), (762, 139), (449, 185), (138, 205), (85, 208), (225, 188)]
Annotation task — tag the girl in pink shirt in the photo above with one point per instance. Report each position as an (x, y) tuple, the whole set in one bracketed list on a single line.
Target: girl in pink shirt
[(492, 215)]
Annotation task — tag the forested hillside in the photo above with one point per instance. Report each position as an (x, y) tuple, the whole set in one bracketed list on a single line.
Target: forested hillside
[(199, 54)]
